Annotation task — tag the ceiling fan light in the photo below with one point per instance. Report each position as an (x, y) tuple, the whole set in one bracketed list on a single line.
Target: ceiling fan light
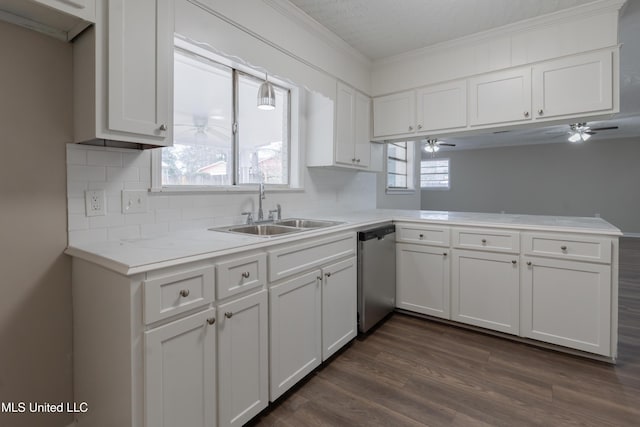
[(575, 137), (584, 136), (266, 96)]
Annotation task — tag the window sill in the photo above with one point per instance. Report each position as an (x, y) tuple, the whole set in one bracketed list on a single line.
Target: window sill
[(250, 188), (393, 191)]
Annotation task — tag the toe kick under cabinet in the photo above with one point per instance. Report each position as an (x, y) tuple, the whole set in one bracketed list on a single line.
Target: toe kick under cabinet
[(189, 345), (551, 287)]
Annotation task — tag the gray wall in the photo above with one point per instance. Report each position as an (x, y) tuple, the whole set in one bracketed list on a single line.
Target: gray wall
[(597, 177), (35, 287)]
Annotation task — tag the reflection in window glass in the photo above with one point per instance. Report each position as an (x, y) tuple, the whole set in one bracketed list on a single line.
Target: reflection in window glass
[(434, 173), (262, 135), (202, 151), (397, 165)]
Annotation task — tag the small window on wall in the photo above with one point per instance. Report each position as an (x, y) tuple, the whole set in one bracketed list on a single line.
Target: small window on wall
[(400, 166), (434, 174)]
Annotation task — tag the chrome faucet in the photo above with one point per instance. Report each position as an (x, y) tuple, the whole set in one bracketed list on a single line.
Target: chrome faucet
[(261, 197)]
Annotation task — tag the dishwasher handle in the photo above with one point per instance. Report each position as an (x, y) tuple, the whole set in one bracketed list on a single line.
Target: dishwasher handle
[(376, 233)]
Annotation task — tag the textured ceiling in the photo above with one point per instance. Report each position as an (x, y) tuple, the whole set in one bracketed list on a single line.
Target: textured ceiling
[(381, 28)]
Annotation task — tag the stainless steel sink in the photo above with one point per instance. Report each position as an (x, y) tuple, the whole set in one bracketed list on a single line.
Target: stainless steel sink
[(259, 229), (307, 223)]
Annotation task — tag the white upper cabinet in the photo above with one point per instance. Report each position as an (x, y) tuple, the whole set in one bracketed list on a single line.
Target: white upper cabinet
[(394, 114), (501, 97), (442, 106), (123, 74), (84, 9), (581, 84), (362, 132)]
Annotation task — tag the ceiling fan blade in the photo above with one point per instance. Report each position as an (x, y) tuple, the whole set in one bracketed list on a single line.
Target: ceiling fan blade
[(447, 144), (590, 132), (606, 128)]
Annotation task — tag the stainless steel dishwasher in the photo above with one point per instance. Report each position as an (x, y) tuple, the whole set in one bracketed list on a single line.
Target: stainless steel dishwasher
[(376, 275)]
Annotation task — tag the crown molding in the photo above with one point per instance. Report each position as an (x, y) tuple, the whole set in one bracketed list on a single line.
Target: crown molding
[(295, 14), (594, 8)]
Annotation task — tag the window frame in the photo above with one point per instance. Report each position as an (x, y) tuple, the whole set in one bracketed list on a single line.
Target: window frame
[(295, 163), (439, 188), (410, 168)]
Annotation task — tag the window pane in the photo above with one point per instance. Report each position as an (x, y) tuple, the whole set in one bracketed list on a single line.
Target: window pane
[(397, 150), (396, 166), (396, 181), (434, 173), (263, 138), (202, 141)]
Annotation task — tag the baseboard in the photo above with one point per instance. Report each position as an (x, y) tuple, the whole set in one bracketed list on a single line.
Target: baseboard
[(634, 235)]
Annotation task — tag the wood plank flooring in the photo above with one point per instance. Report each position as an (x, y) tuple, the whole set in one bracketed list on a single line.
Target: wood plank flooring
[(415, 372)]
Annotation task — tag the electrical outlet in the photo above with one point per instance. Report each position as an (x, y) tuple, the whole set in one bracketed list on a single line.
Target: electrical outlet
[(95, 202), (134, 201)]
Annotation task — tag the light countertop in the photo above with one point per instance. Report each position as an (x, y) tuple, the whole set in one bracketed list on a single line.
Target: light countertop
[(145, 254)]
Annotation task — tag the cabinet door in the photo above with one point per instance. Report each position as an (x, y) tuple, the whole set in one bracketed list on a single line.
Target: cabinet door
[(85, 9), (394, 114), (576, 85), (295, 331), (140, 67), (501, 97), (442, 107), (362, 149), (242, 359), (345, 124), (339, 306), (422, 279), (567, 303), (485, 290), (180, 374)]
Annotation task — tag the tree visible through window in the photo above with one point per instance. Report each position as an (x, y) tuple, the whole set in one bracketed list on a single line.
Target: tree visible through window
[(434, 173)]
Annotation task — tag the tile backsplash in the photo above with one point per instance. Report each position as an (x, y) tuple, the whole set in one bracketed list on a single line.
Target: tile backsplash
[(114, 170)]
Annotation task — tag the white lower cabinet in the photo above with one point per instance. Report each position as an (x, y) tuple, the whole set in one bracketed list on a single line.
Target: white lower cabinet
[(295, 331), (179, 375), (567, 303), (242, 359), (422, 279), (339, 305), (485, 290)]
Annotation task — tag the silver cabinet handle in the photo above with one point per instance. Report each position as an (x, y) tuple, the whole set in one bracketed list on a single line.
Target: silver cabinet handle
[(541, 112), (564, 248), (514, 262), (211, 320), (228, 315), (421, 236), (529, 263), (444, 254), (319, 277), (419, 127), (410, 128), (327, 274), (484, 241), (526, 114), (184, 293), (353, 160), (163, 127), (246, 274), (357, 160)]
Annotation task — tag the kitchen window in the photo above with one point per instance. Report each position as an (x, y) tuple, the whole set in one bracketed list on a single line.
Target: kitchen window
[(221, 139), (434, 174), (400, 166)]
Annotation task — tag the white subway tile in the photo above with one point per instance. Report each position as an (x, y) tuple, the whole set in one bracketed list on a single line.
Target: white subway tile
[(158, 202), (106, 221), (104, 158), (139, 159), (75, 156), (179, 201), (77, 222), (111, 189), (134, 185), (76, 188), (140, 218), (197, 213), (144, 174), (77, 237), (154, 230), (122, 174), (114, 204), (76, 205), (167, 215), (124, 233), (86, 173)]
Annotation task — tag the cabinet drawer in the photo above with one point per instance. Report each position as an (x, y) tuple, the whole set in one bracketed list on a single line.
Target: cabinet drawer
[(423, 234), (239, 274), (584, 248), (291, 259), (177, 293), (486, 239)]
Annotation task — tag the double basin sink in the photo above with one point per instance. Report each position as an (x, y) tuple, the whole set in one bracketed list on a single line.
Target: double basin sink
[(278, 227)]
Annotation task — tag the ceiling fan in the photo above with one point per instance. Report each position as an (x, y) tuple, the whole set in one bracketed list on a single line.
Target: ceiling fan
[(581, 132), (432, 145)]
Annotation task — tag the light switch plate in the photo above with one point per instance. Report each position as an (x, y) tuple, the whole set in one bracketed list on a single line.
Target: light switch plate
[(95, 203), (134, 201)]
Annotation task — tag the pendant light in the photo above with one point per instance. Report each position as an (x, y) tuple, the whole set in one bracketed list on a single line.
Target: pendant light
[(266, 95)]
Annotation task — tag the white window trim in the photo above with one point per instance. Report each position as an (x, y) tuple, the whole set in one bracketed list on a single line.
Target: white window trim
[(447, 188), (296, 160), (411, 166)]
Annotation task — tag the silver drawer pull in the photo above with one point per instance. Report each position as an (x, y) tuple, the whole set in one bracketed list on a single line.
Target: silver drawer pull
[(444, 254), (246, 274), (421, 236), (228, 315), (184, 293), (564, 248), (328, 274), (529, 263), (514, 262), (484, 241), (163, 127), (211, 320)]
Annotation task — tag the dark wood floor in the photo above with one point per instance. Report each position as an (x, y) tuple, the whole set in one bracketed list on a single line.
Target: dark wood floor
[(414, 372)]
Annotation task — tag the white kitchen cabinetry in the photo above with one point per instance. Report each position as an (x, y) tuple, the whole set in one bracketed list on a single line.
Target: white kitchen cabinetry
[(422, 279), (574, 86), (84, 9), (179, 376), (295, 331), (442, 107), (339, 306), (242, 358), (500, 97), (394, 114), (123, 76)]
